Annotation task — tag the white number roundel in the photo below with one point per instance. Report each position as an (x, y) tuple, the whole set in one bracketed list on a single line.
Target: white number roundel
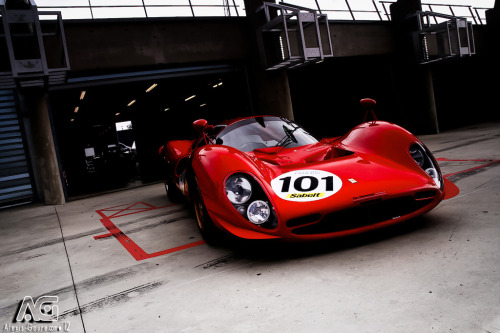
[(306, 185)]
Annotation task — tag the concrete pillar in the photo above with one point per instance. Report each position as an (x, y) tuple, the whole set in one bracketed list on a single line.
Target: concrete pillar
[(270, 89), (428, 103), (273, 94), (43, 151), (493, 16), (413, 82), (492, 45)]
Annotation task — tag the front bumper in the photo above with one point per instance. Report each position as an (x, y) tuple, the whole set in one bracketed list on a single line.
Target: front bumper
[(359, 217)]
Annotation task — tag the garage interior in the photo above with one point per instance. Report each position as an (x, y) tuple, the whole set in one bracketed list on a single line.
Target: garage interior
[(99, 154), (88, 97)]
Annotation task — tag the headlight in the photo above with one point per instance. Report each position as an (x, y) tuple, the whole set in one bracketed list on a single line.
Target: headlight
[(238, 189), (424, 159), (250, 200), (434, 175), (417, 154), (258, 212)]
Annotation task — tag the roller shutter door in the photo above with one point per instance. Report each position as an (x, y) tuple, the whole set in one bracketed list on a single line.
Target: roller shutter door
[(15, 180)]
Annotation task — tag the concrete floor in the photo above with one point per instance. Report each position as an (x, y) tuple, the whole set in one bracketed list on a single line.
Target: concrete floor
[(438, 273)]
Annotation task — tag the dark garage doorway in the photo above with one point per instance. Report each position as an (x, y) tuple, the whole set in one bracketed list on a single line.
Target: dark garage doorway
[(108, 135)]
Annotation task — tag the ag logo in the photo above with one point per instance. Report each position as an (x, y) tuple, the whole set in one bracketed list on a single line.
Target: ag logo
[(306, 185), (43, 310)]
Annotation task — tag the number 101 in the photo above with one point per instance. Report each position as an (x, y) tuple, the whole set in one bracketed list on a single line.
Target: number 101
[(302, 185)]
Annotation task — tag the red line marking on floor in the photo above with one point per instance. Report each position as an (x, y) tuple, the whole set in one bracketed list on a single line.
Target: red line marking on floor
[(490, 162), (130, 207), (103, 236), (135, 250), (451, 190), (454, 160)]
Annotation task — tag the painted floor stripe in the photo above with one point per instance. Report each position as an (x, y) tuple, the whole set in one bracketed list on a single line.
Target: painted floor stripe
[(135, 250)]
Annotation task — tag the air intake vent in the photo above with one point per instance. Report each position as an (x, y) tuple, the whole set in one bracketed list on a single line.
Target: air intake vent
[(425, 194), (364, 215), (303, 220)]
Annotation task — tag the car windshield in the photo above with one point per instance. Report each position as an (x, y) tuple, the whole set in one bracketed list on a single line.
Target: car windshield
[(264, 132)]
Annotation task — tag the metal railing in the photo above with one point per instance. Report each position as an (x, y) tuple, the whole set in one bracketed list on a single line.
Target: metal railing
[(347, 11), (94, 9), (475, 14), (356, 10), (379, 10)]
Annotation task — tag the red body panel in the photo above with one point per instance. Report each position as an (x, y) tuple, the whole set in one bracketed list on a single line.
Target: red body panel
[(372, 163), (177, 148)]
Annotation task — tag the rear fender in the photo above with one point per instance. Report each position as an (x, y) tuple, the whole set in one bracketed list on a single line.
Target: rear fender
[(176, 155), (176, 149)]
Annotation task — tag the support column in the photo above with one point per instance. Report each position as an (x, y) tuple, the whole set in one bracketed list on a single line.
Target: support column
[(427, 104), (414, 84), (271, 92), (43, 150), (492, 45)]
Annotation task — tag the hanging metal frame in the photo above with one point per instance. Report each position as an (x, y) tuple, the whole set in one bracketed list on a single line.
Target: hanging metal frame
[(451, 38), (292, 36), (33, 71)]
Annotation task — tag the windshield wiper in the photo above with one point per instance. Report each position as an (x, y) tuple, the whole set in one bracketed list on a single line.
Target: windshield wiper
[(288, 138)]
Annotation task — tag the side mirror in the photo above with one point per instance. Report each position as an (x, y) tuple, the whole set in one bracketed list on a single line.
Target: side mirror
[(368, 105), (199, 125)]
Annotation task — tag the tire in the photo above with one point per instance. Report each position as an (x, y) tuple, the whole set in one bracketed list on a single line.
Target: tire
[(173, 193), (210, 233)]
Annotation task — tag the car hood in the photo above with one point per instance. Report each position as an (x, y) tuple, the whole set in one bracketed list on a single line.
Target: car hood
[(327, 155), (355, 178)]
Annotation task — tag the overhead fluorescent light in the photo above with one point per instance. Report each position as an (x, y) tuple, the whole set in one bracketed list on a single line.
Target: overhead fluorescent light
[(82, 95), (220, 84), (215, 85), (72, 119), (202, 105), (151, 88), (76, 109), (132, 102), (166, 109), (117, 114), (191, 97)]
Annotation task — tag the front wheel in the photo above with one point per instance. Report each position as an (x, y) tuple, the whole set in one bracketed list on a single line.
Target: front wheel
[(208, 230)]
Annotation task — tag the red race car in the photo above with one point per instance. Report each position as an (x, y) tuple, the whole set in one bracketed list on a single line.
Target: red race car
[(265, 177)]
